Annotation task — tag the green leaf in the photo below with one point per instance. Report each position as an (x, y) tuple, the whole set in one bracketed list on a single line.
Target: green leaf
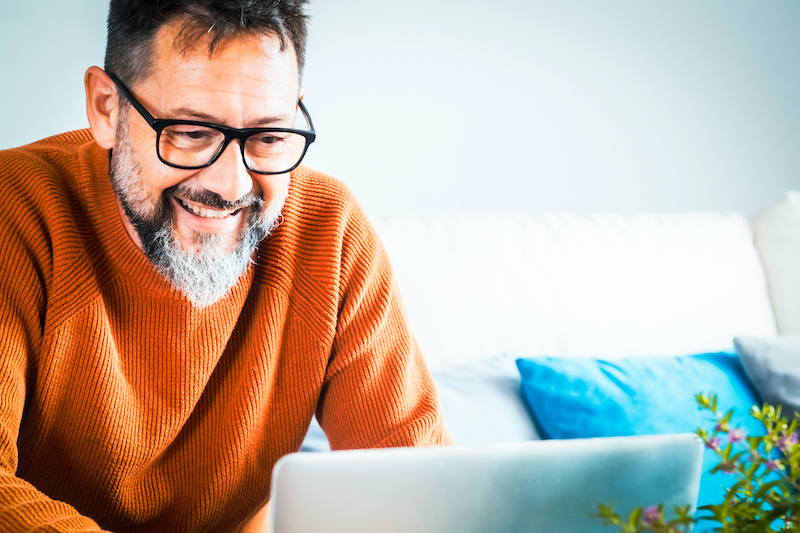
[(702, 400), (727, 418), (636, 517), (766, 487)]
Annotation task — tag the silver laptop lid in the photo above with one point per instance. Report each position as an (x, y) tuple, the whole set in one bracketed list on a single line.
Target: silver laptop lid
[(548, 486)]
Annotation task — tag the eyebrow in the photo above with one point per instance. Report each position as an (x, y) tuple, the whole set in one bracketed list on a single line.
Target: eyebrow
[(191, 114)]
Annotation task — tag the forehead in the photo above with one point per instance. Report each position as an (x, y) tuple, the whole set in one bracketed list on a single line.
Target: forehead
[(249, 69)]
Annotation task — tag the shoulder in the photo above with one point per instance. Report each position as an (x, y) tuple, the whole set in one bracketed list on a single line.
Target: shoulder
[(42, 192), (52, 152), (44, 184), (317, 193), (49, 165), (321, 205), (324, 233)]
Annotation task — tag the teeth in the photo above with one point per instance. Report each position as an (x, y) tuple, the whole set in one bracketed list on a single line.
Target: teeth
[(207, 212)]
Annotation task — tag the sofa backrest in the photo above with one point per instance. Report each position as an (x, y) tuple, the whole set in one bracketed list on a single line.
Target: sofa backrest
[(777, 236), (479, 285)]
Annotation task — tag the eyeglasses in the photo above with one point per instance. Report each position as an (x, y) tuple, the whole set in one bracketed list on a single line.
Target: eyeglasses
[(190, 144)]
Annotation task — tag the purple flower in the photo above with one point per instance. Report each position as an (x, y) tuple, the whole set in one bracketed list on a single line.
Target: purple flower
[(787, 442), (773, 464), (736, 435), (650, 516), (713, 443), (721, 426)]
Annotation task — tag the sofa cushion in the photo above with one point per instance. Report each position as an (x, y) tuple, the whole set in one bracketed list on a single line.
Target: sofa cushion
[(572, 398), (315, 439), (482, 402), (773, 365)]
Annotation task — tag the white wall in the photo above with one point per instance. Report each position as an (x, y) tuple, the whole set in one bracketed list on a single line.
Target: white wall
[(45, 48), (421, 105)]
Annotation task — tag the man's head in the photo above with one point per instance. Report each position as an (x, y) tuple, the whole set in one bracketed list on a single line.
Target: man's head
[(232, 64), (132, 26)]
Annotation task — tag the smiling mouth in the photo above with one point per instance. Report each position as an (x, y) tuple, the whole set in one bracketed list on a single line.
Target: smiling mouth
[(207, 212)]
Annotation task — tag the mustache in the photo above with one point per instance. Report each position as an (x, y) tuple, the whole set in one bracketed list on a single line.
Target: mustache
[(212, 199)]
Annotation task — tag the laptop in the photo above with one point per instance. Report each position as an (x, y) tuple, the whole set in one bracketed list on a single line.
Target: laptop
[(551, 486)]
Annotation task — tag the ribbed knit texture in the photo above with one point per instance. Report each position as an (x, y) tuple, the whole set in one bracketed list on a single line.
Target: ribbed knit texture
[(121, 402)]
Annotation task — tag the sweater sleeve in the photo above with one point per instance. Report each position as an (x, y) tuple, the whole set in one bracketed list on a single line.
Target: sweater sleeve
[(378, 390), (22, 297)]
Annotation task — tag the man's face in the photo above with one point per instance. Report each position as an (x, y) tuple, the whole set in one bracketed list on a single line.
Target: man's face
[(214, 212)]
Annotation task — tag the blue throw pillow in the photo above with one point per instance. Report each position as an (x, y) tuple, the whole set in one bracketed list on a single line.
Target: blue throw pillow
[(571, 398)]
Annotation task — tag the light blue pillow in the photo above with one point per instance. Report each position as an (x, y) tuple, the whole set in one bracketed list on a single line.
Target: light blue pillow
[(315, 439), (773, 365), (482, 403), (572, 398)]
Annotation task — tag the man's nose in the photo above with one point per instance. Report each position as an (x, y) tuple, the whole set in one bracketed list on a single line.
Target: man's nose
[(227, 176)]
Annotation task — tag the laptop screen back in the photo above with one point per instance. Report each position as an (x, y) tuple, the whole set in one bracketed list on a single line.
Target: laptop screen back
[(539, 486)]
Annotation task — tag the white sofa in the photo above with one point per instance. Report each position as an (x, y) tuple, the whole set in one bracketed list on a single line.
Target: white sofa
[(483, 289), (616, 321)]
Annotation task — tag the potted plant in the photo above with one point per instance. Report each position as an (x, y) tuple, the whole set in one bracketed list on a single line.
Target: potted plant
[(766, 493)]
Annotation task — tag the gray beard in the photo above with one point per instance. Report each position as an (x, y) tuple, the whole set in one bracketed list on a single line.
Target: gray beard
[(204, 275)]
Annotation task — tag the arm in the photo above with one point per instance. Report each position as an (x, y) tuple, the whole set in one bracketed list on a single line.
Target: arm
[(22, 300), (378, 391)]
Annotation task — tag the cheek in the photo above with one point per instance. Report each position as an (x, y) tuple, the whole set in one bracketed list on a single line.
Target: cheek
[(164, 178), (154, 176), (273, 188), (158, 178)]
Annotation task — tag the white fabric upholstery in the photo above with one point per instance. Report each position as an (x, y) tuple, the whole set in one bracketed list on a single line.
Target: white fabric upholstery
[(777, 234), (481, 285)]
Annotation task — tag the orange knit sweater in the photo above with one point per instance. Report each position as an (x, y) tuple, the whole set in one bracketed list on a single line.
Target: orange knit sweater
[(124, 408)]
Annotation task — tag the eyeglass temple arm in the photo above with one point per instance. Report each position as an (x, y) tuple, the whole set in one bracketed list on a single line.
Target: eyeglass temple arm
[(133, 101), (302, 107), (151, 119)]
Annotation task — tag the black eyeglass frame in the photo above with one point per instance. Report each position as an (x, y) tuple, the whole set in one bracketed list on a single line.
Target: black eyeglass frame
[(230, 134)]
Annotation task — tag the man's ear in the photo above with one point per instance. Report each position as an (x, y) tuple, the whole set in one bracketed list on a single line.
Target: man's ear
[(102, 106)]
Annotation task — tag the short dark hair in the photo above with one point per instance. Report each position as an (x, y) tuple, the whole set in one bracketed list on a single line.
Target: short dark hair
[(133, 24)]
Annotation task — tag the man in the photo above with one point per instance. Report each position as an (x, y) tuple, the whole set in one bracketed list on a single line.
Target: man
[(178, 298)]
